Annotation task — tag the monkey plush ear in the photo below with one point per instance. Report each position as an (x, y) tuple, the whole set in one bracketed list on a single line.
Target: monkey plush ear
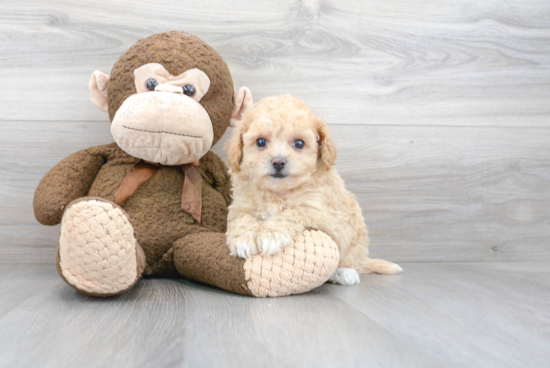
[(242, 101), (98, 90)]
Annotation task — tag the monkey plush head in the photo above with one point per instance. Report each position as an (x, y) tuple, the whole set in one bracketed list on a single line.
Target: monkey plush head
[(169, 97)]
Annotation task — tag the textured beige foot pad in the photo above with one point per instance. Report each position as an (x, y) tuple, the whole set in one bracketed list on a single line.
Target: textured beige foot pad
[(306, 263), (97, 248)]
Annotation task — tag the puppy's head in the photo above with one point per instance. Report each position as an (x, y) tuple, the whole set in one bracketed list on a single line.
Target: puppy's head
[(280, 144)]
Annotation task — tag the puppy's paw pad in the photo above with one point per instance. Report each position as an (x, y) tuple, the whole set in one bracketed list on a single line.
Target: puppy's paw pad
[(345, 276), (243, 246), (272, 242)]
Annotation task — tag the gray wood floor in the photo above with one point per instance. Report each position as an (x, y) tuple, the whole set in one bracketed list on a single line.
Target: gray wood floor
[(441, 114), (434, 315)]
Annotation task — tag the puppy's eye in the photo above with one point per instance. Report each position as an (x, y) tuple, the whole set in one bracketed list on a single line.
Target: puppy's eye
[(261, 142), (298, 143), (189, 90), (151, 84)]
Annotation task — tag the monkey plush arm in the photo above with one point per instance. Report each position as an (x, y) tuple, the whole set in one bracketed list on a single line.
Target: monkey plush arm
[(68, 180)]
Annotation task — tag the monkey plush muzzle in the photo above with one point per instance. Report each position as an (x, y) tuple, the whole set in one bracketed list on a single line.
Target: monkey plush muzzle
[(163, 127)]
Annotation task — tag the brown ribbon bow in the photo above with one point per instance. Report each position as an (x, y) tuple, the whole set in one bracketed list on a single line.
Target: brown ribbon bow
[(191, 195)]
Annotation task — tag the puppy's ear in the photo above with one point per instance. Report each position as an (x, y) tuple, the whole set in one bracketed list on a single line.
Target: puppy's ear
[(234, 148), (326, 156)]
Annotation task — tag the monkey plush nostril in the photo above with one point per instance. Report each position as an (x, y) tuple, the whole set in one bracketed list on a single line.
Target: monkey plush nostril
[(278, 163)]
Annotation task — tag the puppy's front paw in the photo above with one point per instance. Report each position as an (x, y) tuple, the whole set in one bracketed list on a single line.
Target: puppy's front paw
[(272, 241), (345, 276), (243, 246)]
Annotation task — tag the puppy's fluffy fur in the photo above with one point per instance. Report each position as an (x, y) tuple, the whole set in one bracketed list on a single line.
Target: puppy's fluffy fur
[(272, 203)]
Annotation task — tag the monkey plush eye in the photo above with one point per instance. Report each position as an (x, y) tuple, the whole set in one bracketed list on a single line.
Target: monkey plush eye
[(151, 84), (189, 90), (261, 142), (298, 143)]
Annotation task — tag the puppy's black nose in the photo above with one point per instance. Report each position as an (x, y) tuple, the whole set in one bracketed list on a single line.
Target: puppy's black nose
[(278, 163)]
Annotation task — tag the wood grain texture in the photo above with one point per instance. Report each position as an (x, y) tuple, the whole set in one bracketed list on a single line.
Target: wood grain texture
[(433, 315), (440, 111), (379, 62)]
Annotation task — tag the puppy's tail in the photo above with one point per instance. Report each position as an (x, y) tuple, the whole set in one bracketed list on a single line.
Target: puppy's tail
[(373, 265)]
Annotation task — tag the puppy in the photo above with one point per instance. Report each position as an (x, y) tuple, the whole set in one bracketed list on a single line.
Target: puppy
[(281, 158)]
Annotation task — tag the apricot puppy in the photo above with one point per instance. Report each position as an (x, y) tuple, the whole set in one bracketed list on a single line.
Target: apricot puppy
[(281, 158)]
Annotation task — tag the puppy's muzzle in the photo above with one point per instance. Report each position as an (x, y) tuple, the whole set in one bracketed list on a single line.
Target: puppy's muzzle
[(278, 164)]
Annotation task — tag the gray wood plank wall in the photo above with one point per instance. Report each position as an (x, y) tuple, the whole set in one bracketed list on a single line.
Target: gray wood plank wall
[(440, 110)]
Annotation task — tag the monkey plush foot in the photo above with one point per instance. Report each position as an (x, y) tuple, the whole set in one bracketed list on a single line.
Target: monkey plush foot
[(98, 253)]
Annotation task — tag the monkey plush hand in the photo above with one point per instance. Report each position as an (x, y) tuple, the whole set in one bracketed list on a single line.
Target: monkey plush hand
[(155, 201)]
